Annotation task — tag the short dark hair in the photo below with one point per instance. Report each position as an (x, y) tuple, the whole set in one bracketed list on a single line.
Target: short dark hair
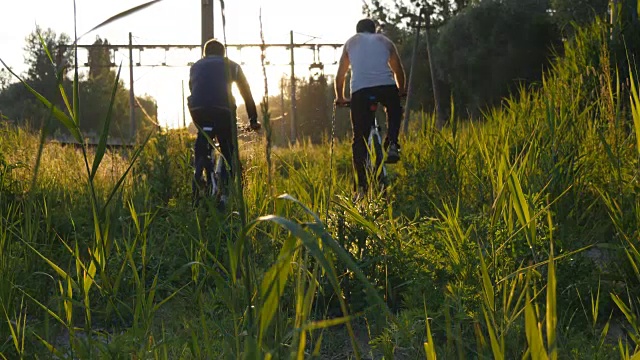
[(366, 25), (213, 47)]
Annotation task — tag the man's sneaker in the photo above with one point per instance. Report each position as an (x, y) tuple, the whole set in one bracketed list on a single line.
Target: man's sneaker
[(393, 154)]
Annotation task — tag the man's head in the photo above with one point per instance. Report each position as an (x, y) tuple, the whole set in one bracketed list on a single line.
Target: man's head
[(213, 47), (366, 26)]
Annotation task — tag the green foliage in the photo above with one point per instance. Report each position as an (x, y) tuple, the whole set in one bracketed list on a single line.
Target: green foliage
[(566, 13), (510, 238), (5, 79), (314, 107), (403, 11), (46, 73), (488, 50)]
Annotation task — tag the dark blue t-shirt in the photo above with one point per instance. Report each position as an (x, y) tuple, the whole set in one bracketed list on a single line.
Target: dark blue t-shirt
[(210, 82)]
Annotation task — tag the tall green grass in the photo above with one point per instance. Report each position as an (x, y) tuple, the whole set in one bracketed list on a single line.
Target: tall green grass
[(493, 235)]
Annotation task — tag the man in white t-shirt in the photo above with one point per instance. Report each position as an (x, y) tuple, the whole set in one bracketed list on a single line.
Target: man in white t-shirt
[(376, 75)]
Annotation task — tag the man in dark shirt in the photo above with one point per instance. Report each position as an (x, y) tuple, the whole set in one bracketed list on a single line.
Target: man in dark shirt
[(212, 105)]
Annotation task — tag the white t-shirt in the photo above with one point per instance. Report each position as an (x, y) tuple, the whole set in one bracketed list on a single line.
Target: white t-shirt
[(369, 56)]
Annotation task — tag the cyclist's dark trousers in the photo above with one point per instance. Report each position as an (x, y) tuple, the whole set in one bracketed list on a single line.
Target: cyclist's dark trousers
[(219, 121), (362, 119)]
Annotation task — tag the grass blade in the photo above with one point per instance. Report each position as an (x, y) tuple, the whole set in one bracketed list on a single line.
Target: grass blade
[(635, 105), (273, 285), (43, 307), (489, 292), (533, 332), (55, 267), (319, 229), (313, 247), (68, 122), (102, 144), (116, 187), (59, 73), (43, 139), (496, 347), (552, 316), (121, 15), (52, 349), (429, 346)]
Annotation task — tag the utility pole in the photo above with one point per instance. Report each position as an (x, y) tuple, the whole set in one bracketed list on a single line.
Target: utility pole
[(132, 116), (282, 97), (184, 115), (140, 47), (293, 92), (157, 119), (207, 21), (283, 129), (410, 82), (434, 83)]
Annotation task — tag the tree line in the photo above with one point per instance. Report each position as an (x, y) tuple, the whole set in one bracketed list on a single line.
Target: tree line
[(485, 50), (482, 51), (96, 87)]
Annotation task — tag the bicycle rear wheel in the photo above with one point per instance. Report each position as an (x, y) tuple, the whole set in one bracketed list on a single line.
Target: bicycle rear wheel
[(218, 190), (377, 167)]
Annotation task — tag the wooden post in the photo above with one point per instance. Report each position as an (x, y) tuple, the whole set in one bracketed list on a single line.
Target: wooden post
[(207, 21), (157, 119), (184, 114), (410, 82), (293, 92), (282, 109), (132, 100), (434, 83)]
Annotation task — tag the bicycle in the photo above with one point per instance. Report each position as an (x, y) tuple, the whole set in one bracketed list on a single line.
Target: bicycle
[(212, 165), (375, 167)]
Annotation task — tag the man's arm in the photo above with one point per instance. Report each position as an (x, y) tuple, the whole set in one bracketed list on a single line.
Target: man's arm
[(245, 91), (397, 68), (343, 67)]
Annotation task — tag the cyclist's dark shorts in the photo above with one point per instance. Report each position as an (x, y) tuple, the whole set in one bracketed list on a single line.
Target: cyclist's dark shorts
[(217, 124)]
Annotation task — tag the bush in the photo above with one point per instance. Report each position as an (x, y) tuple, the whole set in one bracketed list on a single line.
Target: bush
[(488, 50)]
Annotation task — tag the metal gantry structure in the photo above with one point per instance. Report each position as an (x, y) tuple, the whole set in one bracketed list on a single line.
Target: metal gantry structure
[(207, 26), (315, 66)]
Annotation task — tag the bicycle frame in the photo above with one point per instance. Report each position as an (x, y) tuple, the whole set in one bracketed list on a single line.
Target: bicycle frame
[(216, 171), (374, 144), (214, 162), (375, 169)]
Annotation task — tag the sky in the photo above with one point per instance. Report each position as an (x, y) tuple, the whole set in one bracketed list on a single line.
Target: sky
[(178, 22)]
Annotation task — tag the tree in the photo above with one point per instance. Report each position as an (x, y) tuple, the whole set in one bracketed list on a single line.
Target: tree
[(5, 79), (314, 111), (16, 101), (313, 108), (488, 50), (95, 91), (99, 60), (581, 12), (43, 73), (403, 12), (95, 94)]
